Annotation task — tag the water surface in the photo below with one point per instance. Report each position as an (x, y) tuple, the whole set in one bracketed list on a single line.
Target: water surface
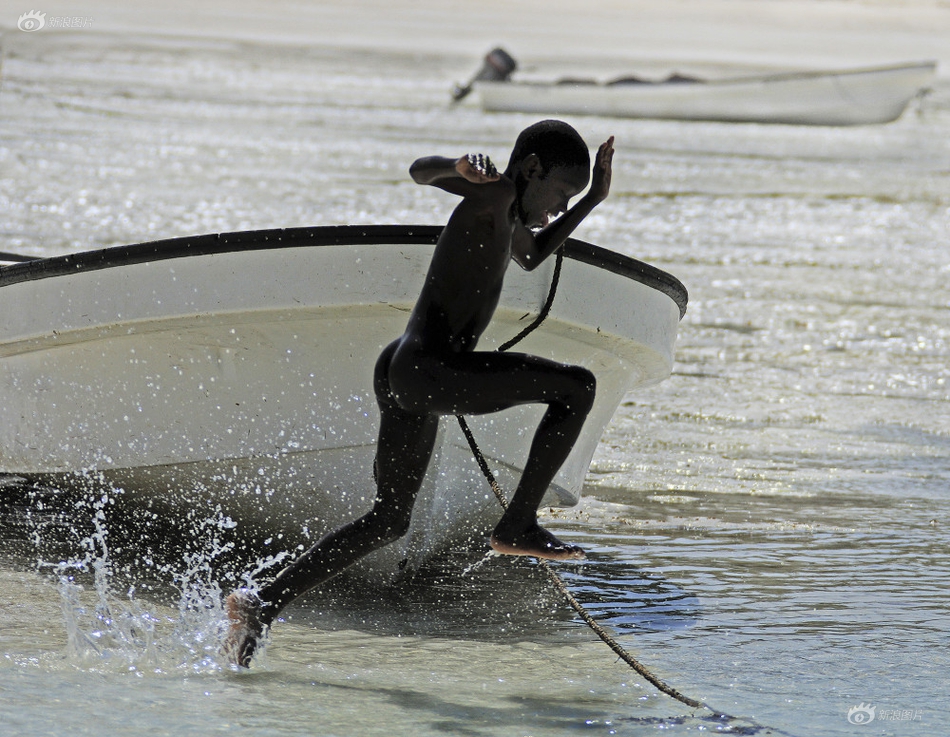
[(768, 529)]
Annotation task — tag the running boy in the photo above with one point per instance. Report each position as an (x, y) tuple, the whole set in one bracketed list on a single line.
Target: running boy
[(433, 369)]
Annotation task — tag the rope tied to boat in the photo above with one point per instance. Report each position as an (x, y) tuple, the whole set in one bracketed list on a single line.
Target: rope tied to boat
[(552, 575)]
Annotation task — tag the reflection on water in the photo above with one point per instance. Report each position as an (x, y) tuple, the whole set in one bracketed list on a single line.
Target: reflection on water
[(767, 529)]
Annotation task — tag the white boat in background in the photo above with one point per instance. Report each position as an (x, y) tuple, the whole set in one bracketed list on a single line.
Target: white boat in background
[(844, 97), (233, 372)]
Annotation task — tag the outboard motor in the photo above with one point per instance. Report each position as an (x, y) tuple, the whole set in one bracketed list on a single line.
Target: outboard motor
[(497, 67)]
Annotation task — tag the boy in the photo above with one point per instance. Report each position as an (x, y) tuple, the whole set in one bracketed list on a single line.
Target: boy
[(433, 369)]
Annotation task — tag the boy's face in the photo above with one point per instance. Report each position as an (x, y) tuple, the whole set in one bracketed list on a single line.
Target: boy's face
[(546, 195)]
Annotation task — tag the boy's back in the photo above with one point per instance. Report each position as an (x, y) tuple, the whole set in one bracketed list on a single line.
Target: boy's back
[(467, 271)]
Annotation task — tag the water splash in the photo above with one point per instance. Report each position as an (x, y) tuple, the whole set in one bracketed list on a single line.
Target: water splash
[(111, 630)]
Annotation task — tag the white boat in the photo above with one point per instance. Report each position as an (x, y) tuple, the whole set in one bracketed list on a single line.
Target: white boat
[(233, 372), (845, 97)]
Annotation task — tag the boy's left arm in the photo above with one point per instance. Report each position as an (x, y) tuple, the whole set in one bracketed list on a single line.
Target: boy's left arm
[(536, 247)]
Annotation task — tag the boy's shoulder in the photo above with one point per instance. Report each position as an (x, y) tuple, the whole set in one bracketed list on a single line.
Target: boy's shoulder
[(501, 192)]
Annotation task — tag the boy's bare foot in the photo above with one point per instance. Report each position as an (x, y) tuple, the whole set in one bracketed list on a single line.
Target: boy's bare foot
[(535, 541), (246, 630)]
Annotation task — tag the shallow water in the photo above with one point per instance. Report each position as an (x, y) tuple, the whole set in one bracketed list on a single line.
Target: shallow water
[(768, 529)]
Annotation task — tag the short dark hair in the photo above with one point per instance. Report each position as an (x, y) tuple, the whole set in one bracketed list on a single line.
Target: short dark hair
[(554, 142)]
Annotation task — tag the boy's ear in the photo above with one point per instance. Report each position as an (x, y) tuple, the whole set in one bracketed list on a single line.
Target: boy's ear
[(531, 166)]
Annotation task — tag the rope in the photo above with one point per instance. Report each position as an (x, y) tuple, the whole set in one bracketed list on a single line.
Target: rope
[(545, 309), (555, 579), (559, 584)]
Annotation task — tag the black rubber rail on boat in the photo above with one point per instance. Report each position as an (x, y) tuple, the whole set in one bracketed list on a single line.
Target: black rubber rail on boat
[(29, 269), (16, 258)]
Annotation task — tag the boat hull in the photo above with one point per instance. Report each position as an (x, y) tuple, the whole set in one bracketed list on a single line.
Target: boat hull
[(852, 97), (239, 375)]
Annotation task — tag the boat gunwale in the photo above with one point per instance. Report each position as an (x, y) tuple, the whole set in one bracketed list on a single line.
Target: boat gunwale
[(314, 236)]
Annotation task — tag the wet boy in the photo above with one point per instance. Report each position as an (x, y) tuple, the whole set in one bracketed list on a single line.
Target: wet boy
[(434, 369)]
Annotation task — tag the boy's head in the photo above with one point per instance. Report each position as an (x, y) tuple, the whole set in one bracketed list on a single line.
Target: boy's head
[(549, 164), (554, 142)]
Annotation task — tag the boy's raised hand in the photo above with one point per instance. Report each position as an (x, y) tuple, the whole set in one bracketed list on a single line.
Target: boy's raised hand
[(477, 168), (603, 167)]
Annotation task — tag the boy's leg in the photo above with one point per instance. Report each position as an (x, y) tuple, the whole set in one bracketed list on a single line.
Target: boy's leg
[(403, 453), (404, 448), (518, 531), (479, 383)]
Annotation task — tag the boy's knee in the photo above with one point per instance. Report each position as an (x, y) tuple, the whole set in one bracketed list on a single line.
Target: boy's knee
[(398, 526), (390, 525), (585, 384)]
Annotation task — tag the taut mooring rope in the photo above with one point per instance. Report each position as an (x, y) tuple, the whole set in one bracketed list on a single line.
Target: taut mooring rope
[(551, 573), (566, 593)]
